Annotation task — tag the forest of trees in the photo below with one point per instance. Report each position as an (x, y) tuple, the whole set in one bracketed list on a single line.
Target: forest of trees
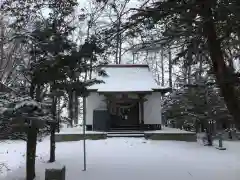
[(49, 50), (204, 36)]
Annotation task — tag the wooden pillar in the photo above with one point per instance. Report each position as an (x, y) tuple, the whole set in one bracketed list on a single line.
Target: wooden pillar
[(141, 105), (163, 121)]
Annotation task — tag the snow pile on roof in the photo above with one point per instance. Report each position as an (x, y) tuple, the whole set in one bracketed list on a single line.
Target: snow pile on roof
[(126, 78)]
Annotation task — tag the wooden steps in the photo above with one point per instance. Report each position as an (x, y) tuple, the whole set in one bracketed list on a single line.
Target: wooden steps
[(125, 134), (126, 128), (131, 132)]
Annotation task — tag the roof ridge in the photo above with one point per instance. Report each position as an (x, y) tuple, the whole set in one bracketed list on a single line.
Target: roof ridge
[(125, 65)]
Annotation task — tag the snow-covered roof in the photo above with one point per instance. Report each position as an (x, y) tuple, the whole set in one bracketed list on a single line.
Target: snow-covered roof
[(126, 78)]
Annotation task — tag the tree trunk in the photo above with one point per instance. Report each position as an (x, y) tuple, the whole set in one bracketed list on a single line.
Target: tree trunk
[(189, 65), (1, 42), (185, 73), (53, 129), (222, 73), (31, 152), (58, 114), (170, 67), (162, 67), (231, 64), (84, 110), (76, 105), (53, 125), (31, 145), (32, 89), (200, 67), (38, 93), (120, 44), (52, 142), (70, 107), (209, 136), (117, 44), (189, 73)]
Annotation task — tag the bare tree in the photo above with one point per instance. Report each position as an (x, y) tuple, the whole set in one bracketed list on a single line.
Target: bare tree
[(170, 67)]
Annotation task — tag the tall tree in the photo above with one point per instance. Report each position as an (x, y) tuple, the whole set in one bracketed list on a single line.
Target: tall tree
[(56, 61), (202, 24)]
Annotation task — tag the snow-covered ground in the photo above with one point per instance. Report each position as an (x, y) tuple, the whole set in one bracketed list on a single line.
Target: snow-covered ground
[(131, 158)]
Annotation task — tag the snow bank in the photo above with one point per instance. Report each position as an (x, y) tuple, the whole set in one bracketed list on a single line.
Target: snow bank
[(166, 130), (77, 130)]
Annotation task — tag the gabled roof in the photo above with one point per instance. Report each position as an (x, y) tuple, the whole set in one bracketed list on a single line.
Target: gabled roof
[(127, 78)]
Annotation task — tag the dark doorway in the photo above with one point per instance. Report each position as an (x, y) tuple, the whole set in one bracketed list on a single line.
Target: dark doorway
[(126, 115)]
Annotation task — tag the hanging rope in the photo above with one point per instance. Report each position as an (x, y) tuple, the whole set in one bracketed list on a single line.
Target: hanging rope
[(118, 109), (125, 106)]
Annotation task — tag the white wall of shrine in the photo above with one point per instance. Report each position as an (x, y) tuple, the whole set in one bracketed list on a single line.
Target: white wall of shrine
[(152, 107), (94, 101)]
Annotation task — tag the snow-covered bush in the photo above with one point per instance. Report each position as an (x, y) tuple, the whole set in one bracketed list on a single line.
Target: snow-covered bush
[(18, 112), (190, 106)]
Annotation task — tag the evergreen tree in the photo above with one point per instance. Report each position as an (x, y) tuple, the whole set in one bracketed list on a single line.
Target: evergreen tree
[(197, 107), (25, 114), (208, 26), (56, 61)]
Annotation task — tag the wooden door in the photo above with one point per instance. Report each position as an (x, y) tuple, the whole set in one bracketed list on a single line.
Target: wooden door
[(133, 115), (126, 116)]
